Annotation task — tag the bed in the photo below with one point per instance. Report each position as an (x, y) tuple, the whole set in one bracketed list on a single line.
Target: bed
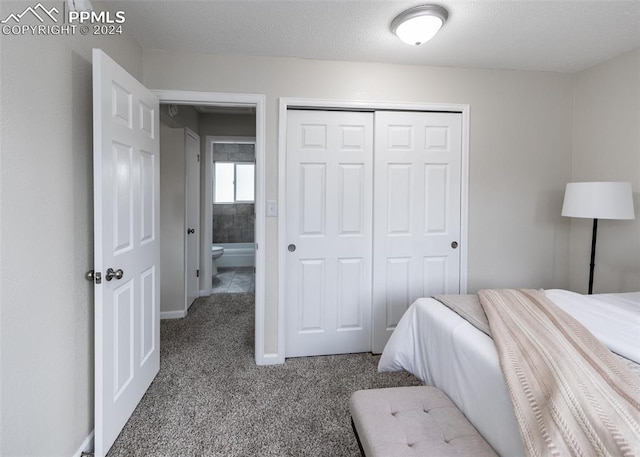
[(444, 350)]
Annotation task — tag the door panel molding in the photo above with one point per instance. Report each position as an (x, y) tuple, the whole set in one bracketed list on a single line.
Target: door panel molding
[(438, 142)]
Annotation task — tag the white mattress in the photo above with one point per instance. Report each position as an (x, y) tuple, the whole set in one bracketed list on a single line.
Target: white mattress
[(444, 350)]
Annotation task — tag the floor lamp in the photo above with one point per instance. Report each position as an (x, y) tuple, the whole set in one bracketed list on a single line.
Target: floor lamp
[(598, 200)]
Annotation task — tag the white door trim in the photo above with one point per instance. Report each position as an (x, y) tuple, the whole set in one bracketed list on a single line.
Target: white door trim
[(286, 103), (179, 97)]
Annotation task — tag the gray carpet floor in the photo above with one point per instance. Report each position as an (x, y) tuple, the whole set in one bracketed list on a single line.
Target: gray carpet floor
[(211, 399)]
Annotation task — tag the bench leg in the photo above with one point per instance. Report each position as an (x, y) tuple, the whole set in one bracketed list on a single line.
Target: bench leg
[(355, 432)]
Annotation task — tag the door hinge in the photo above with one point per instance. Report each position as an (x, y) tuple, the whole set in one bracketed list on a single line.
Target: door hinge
[(198, 157), (197, 273)]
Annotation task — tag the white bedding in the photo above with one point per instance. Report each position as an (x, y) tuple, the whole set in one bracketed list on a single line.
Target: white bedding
[(613, 318), (444, 350)]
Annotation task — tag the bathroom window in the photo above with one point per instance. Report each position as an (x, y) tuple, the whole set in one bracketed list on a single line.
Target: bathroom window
[(233, 182)]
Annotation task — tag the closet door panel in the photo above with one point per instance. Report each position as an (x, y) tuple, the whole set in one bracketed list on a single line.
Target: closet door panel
[(436, 198), (398, 196), (329, 232), (416, 212)]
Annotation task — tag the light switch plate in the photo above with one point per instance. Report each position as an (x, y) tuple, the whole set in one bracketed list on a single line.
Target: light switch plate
[(272, 208)]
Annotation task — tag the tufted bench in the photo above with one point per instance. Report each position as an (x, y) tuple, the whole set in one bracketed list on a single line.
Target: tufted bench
[(411, 422)]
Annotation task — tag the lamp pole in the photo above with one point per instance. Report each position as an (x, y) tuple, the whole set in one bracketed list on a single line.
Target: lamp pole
[(593, 254)]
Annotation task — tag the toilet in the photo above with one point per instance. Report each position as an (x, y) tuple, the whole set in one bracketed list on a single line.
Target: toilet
[(216, 252)]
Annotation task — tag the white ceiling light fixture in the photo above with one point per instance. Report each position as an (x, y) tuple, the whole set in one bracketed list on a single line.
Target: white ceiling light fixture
[(419, 24)]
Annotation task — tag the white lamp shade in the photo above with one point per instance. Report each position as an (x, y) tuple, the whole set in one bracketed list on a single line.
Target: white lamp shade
[(599, 200)]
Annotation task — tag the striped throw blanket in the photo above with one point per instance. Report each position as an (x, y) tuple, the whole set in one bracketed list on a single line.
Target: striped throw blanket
[(571, 396)]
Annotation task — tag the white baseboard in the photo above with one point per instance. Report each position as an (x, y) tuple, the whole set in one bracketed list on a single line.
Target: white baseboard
[(172, 314), (86, 446)]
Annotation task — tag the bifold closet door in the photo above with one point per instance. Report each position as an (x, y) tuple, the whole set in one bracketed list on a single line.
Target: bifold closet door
[(416, 213), (329, 232)]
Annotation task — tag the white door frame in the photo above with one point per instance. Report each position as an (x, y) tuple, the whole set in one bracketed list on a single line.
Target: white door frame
[(287, 103), (179, 97)]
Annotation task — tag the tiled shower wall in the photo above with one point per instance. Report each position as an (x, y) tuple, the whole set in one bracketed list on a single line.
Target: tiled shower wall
[(233, 223)]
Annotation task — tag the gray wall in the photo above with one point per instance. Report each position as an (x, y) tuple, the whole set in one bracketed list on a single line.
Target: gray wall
[(46, 238), (233, 223), (606, 147), (223, 124), (520, 158), (187, 117), (172, 219)]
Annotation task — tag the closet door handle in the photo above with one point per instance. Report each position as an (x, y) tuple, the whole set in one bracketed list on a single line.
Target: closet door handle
[(291, 247), (190, 231)]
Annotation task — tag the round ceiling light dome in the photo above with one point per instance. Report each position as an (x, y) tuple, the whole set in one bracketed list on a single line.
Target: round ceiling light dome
[(419, 24)]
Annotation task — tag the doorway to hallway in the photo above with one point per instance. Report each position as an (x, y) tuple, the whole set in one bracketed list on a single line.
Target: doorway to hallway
[(256, 102)]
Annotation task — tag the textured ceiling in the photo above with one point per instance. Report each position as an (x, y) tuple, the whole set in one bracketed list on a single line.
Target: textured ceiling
[(562, 36)]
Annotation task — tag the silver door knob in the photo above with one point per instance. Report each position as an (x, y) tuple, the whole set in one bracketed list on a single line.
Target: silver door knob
[(454, 244), (291, 247), (118, 274), (94, 276), (190, 231)]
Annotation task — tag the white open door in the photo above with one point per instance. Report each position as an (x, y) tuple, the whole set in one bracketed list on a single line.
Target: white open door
[(192, 152), (127, 249)]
